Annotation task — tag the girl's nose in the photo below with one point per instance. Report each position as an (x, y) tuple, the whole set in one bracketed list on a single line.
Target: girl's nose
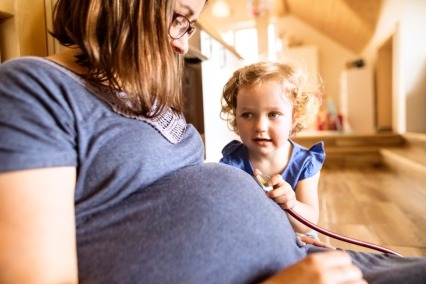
[(261, 124)]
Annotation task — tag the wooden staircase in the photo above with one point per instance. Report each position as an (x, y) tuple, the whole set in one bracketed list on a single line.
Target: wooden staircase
[(410, 158), (400, 152)]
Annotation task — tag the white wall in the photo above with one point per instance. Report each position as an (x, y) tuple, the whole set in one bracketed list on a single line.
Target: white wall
[(305, 57), (332, 57), (406, 21), (358, 100), (391, 13), (412, 64)]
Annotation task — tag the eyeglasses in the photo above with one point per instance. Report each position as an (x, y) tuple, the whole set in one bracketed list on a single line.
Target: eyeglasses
[(179, 26)]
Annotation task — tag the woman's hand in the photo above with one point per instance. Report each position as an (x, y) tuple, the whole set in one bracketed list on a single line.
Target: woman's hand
[(331, 267)]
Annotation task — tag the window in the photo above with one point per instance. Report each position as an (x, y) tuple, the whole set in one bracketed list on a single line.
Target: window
[(246, 44)]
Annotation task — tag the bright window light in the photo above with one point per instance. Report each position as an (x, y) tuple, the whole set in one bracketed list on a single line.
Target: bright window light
[(228, 37), (246, 44), (272, 53)]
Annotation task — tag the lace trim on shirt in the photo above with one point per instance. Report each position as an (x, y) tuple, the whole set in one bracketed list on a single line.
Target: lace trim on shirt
[(169, 123)]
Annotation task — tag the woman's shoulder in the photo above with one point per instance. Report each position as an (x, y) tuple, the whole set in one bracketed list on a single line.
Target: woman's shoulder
[(34, 67), (38, 77), (30, 69), (24, 63)]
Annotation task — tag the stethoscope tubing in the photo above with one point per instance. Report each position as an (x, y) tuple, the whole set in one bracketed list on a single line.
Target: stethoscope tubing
[(339, 237), (262, 181)]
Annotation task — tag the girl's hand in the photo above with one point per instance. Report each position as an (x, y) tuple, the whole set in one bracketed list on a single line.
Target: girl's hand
[(282, 193)]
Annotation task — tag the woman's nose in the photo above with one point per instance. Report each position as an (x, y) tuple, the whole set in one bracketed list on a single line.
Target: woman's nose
[(180, 45)]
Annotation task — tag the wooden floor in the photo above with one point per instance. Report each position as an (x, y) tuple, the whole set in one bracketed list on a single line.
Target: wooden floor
[(374, 205)]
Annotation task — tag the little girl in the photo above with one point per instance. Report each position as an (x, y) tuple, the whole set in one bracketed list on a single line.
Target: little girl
[(265, 103)]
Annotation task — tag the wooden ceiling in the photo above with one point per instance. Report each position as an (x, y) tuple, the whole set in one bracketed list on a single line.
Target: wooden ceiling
[(350, 23)]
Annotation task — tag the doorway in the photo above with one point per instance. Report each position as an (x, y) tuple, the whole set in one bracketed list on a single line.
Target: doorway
[(384, 75)]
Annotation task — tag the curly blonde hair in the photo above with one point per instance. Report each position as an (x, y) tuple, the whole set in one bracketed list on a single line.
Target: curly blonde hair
[(304, 94)]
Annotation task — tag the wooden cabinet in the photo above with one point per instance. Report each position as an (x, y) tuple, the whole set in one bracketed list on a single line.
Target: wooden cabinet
[(23, 29)]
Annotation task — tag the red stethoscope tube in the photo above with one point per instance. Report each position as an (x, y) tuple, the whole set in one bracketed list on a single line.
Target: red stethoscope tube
[(262, 181), (337, 236)]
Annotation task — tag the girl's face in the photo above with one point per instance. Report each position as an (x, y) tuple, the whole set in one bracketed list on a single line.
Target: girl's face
[(188, 11), (264, 117)]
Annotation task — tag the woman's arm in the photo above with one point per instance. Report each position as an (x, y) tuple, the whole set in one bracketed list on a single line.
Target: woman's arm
[(37, 226)]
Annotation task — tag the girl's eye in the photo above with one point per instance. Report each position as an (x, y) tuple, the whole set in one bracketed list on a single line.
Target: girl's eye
[(246, 115), (274, 115)]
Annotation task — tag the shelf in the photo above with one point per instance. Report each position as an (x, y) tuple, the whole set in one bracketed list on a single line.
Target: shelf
[(22, 28), (6, 8)]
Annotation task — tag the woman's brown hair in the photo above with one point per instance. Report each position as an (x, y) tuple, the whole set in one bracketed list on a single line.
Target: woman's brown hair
[(125, 45)]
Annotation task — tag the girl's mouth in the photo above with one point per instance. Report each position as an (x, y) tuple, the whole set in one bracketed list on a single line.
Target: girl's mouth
[(262, 140)]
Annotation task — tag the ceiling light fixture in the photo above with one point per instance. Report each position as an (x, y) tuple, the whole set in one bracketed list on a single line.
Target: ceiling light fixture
[(259, 8), (221, 9)]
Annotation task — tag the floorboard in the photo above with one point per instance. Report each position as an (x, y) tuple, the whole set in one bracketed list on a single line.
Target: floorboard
[(375, 205)]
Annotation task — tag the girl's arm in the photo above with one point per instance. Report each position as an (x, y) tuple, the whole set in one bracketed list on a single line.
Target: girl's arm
[(37, 226), (307, 204)]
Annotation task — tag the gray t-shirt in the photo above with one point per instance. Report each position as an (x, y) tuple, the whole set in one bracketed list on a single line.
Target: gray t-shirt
[(147, 209)]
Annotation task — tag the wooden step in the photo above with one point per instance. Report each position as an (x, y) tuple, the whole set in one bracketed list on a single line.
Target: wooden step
[(350, 149), (353, 157), (410, 158), (340, 139)]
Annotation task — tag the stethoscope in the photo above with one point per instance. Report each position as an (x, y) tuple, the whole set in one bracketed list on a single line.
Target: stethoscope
[(262, 181)]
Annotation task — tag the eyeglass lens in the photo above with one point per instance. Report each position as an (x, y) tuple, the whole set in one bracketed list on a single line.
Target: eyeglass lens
[(180, 25)]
